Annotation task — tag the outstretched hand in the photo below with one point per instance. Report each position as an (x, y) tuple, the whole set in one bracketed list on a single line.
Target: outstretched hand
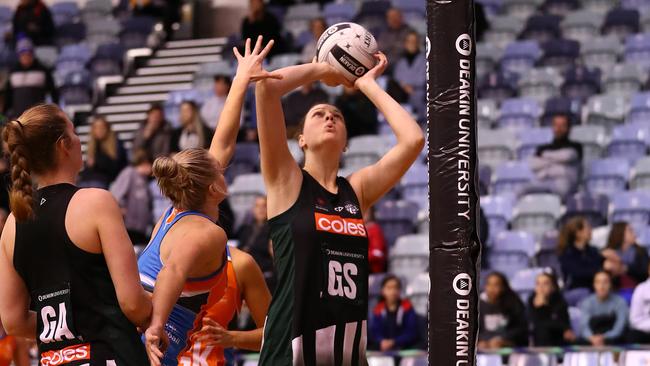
[(250, 64), (375, 72), (156, 342)]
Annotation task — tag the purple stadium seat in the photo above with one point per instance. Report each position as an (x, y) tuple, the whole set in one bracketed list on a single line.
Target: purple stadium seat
[(628, 142), (524, 280), (411, 8), (135, 31), (64, 12), (245, 160), (547, 255), (336, 13), (520, 56), (511, 252), (415, 185), (592, 207), (621, 22), (76, 88), (640, 108), (519, 113), (498, 85), (107, 60), (6, 14), (70, 33), (484, 178), (637, 50), (372, 15), (530, 139), (542, 28), (607, 176), (581, 82), (560, 7), (498, 212), (511, 177), (569, 107), (632, 207), (396, 218), (560, 53)]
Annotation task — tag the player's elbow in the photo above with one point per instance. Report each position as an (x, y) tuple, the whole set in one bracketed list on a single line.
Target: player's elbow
[(137, 309), (416, 142), (13, 326)]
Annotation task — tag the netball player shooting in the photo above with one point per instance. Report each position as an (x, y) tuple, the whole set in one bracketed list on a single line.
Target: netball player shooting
[(65, 253), (319, 308), (184, 262)]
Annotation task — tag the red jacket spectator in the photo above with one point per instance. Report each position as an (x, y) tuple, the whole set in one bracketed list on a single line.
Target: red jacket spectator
[(377, 252)]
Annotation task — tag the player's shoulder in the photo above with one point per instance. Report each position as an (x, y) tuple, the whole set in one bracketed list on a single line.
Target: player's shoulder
[(96, 199), (241, 259)]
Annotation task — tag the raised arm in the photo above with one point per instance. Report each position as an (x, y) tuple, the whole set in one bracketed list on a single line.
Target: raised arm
[(249, 69), (281, 173), (15, 315), (372, 182)]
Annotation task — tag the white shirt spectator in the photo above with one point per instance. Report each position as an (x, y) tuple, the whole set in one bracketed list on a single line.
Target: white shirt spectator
[(640, 307)]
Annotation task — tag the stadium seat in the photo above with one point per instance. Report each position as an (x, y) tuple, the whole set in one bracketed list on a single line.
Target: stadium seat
[(621, 22), (498, 85), (588, 358), (581, 82), (592, 207), (520, 56), (297, 17), (72, 58), (107, 60), (541, 28), (560, 53), (417, 291), (606, 110), (546, 256), (486, 113), (96, 9), (65, 12), (242, 193), (245, 160), (487, 57), (521, 9), (640, 178), (623, 78), (284, 60), (607, 176), (645, 21), (411, 8), (532, 359), (640, 108), (570, 107), (104, 30), (632, 207), (540, 83), (582, 25), (524, 280), (637, 50), (575, 316), (629, 142), (483, 359), (69, 33), (414, 361), (76, 88), (503, 30), (643, 236), (396, 217), (531, 139), (339, 12), (511, 252), (593, 140), (47, 55), (511, 178), (409, 256), (519, 113), (364, 150), (560, 7), (415, 185), (6, 14), (372, 15), (204, 77), (484, 178), (537, 213), (601, 52), (634, 358), (135, 31), (498, 212)]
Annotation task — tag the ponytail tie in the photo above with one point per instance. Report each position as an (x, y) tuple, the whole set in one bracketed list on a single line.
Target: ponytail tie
[(19, 124)]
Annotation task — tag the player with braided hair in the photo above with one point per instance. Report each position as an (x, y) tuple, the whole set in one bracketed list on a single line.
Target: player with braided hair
[(65, 253)]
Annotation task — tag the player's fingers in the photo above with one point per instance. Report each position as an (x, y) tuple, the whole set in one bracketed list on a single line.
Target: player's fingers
[(208, 321), (247, 47), (267, 49), (258, 45), (237, 54)]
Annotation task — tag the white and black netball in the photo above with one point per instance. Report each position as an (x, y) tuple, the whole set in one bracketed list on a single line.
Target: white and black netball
[(349, 47)]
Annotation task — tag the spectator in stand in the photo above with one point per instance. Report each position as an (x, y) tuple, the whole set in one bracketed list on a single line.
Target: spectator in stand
[(297, 104), (578, 259), (254, 237), (558, 163), (105, 156), (502, 316), (604, 314), (261, 22), (394, 323), (358, 108), (640, 313), (29, 82), (624, 258), (317, 27), (211, 109), (155, 135), (391, 40), (131, 190), (409, 70), (377, 248), (549, 314), (34, 20), (193, 132)]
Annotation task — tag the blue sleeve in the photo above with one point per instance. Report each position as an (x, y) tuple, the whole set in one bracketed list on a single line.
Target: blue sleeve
[(621, 318), (585, 330), (409, 334), (376, 329)]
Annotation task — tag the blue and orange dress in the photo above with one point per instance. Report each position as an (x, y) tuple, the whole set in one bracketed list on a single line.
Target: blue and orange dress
[(198, 296)]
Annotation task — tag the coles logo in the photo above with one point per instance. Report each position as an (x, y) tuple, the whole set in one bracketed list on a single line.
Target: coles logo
[(462, 284), (66, 355), (340, 225)]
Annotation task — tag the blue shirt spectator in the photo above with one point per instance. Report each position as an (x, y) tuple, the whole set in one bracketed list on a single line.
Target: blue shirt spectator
[(394, 322), (409, 70), (604, 314)]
